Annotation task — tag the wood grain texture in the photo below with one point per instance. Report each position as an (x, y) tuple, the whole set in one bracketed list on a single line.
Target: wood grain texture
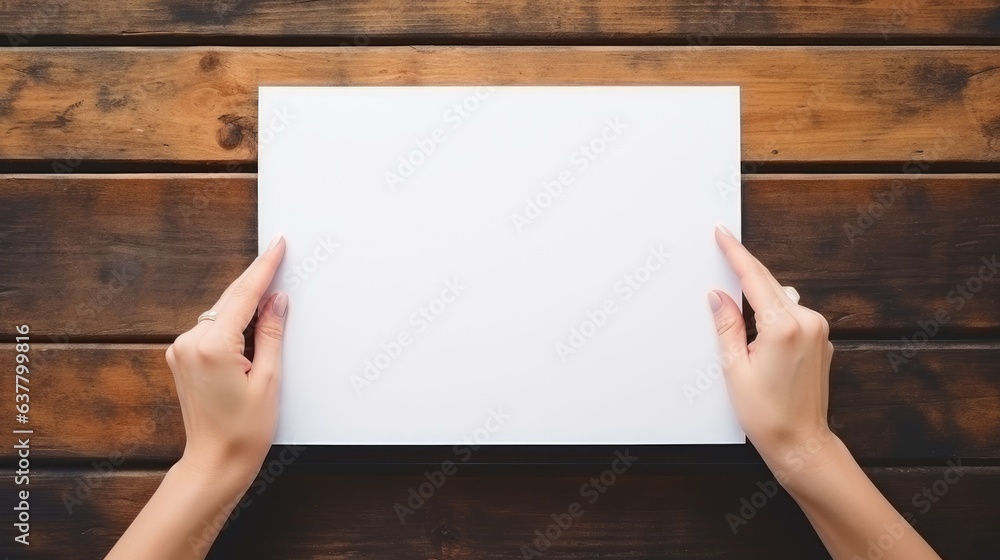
[(800, 104), (138, 257), (132, 256), (544, 21), (105, 401), (118, 265), (877, 252), (100, 402), (477, 514)]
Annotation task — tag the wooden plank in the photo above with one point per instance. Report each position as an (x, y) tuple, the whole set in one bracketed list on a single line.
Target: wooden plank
[(137, 257), (542, 21), (800, 104), (103, 401), (876, 252), (930, 400), (131, 256), (643, 513)]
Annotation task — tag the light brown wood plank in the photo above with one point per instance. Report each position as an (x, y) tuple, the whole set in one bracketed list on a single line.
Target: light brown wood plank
[(800, 104), (512, 21), (104, 401), (138, 257), (644, 513)]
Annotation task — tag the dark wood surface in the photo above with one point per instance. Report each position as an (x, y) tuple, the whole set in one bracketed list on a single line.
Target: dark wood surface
[(491, 512), (871, 148)]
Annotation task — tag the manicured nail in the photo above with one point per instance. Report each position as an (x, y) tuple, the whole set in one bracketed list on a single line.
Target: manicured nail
[(714, 301), (280, 304), (725, 230), (274, 242)]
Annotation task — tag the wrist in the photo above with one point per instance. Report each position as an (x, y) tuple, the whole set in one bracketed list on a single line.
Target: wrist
[(233, 478), (804, 459)]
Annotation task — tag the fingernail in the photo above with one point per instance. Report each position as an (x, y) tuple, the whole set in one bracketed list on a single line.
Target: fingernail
[(280, 304), (725, 230), (274, 242), (714, 301)]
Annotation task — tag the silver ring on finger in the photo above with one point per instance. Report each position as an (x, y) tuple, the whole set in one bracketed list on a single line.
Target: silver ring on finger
[(793, 294), (208, 316)]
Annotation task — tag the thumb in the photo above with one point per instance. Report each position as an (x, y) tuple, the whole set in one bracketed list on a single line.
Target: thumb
[(730, 327), (268, 337)]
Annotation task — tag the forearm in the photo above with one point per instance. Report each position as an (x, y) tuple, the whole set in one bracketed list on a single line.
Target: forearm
[(184, 516), (850, 515)]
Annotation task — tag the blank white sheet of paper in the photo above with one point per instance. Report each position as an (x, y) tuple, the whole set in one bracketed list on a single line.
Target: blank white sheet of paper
[(501, 265)]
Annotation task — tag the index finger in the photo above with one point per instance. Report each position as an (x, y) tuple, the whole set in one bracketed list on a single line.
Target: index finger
[(245, 294), (761, 289)]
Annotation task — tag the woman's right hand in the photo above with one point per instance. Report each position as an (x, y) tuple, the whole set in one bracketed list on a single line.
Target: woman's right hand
[(779, 383), (779, 387), (229, 404)]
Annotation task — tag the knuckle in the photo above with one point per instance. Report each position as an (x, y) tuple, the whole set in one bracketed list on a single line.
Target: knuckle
[(208, 349), (181, 348), (824, 326), (769, 316), (787, 330), (815, 325)]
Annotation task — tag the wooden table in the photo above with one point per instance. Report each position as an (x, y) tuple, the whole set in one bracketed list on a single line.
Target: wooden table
[(871, 147)]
